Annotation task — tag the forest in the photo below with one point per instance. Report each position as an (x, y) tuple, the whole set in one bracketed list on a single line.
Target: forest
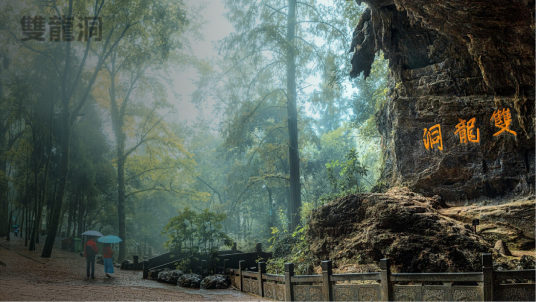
[(293, 150), (92, 136)]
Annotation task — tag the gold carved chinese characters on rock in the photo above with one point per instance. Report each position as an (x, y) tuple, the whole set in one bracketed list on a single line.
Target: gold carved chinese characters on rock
[(466, 131), (502, 118), (432, 137)]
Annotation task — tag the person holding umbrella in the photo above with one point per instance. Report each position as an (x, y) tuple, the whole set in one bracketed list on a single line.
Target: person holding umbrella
[(107, 253), (90, 250)]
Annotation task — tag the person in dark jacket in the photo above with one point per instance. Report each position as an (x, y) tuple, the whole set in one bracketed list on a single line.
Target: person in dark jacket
[(90, 250), (108, 255)]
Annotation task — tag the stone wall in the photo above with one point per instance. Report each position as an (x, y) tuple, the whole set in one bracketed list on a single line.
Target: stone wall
[(453, 60)]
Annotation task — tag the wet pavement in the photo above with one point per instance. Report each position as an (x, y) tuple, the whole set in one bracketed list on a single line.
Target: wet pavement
[(24, 275)]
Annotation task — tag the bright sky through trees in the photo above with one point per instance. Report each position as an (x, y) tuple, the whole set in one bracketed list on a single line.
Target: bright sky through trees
[(215, 29)]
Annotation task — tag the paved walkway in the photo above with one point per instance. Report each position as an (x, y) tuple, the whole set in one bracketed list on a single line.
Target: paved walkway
[(24, 275)]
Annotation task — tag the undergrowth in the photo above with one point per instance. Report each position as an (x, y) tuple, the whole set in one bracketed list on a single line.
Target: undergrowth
[(290, 248)]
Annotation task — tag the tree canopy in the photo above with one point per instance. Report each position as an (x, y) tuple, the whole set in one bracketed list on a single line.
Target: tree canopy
[(89, 137)]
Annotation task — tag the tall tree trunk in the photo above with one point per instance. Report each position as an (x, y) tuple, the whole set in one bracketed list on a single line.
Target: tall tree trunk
[(36, 208), (62, 182), (270, 206), (62, 219), (27, 226), (44, 188), (76, 226), (3, 175), (39, 220), (3, 184), (47, 164), (69, 220), (8, 238), (65, 127), (27, 202), (121, 206), (117, 124), (80, 213), (23, 221), (86, 208), (32, 231), (17, 220), (52, 206), (292, 112)]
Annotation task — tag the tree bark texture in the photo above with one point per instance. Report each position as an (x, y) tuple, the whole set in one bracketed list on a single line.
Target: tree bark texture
[(292, 112), (3, 184)]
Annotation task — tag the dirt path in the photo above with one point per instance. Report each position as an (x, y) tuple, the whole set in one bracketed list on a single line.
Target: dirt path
[(26, 276)]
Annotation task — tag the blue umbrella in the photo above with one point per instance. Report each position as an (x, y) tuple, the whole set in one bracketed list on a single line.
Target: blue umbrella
[(92, 233), (109, 239)]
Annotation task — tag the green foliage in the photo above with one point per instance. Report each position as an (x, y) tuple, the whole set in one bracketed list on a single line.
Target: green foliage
[(371, 94), (192, 232), (185, 265), (276, 266), (290, 247), (345, 177)]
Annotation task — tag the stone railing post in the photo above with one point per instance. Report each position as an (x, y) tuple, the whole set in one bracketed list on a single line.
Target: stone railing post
[(262, 270), (145, 269), (241, 266), (385, 275), (487, 272), (326, 280), (289, 291)]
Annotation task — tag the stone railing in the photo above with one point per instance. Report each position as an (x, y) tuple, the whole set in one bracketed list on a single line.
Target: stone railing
[(488, 285)]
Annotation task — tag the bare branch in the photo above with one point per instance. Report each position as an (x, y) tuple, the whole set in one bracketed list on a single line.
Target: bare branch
[(264, 98), (276, 10), (86, 52), (94, 77), (261, 142), (258, 73)]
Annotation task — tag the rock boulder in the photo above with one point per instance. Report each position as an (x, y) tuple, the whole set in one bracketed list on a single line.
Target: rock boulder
[(190, 280), (215, 282), (502, 249), (511, 220), (173, 276), (163, 275), (400, 225)]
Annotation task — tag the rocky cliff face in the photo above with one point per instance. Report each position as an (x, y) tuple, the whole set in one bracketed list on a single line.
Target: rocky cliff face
[(512, 222), (461, 72), (400, 225)]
